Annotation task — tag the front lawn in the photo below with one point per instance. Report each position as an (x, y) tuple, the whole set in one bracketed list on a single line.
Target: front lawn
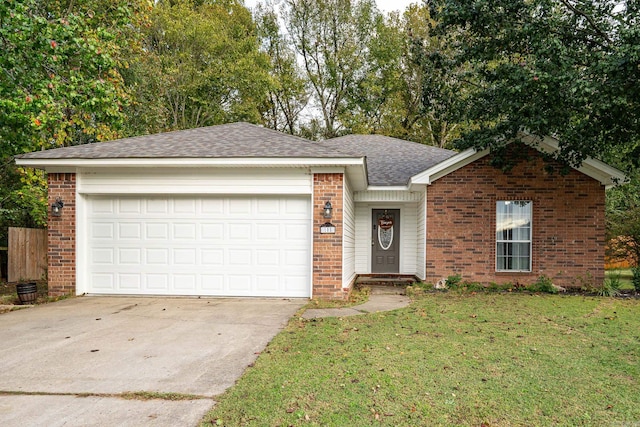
[(450, 359)]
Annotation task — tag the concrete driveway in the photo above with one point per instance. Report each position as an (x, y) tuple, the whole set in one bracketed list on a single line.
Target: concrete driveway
[(52, 356)]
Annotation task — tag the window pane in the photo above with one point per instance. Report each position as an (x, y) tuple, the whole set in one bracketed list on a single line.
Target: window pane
[(513, 235)]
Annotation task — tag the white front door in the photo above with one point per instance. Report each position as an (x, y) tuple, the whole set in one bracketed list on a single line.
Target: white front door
[(199, 245)]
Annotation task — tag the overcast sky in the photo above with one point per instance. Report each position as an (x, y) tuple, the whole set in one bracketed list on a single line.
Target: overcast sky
[(383, 5)]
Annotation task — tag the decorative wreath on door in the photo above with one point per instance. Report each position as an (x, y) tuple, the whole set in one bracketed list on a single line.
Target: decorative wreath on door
[(385, 231)]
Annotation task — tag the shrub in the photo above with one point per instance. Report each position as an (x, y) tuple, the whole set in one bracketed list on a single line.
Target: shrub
[(635, 279), (454, 281), (543, 284), (473, 286), (422, 285), (611, 286), (499, 287)]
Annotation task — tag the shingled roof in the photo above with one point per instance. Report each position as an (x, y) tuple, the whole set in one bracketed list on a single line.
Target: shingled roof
[(234, 140), (390, 161)]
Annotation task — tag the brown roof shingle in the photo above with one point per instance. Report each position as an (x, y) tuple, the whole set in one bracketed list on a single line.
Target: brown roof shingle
[(390, 161), (222, 141)]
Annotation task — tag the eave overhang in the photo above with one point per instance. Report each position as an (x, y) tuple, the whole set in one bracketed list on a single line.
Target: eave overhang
[(354, 167), (607, 175)]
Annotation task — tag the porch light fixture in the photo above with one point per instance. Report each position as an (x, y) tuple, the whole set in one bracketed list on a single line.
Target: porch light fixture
[(56, 208), (327, 211)]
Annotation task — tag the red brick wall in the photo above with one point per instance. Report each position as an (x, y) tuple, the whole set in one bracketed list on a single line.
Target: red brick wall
[(62, 235), (568, 227), (327, 248)]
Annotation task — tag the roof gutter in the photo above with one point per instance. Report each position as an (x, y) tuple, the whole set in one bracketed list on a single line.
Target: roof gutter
[(191, 162)]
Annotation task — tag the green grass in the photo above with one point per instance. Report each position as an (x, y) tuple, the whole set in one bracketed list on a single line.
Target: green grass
[(624, 274), (450, 359), (359, 295)]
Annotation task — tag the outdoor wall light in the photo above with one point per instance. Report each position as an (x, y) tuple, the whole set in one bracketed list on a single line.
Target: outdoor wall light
[(327, 211), (56, 208)]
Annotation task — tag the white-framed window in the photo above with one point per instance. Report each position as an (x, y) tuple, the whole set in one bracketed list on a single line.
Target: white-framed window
[(513, 235)]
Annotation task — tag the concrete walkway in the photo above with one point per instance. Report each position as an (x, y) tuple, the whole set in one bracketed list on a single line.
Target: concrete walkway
[(382, 298)]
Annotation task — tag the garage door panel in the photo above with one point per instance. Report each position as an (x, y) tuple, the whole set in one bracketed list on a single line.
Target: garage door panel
[(102, 256), (184, 257), (102, 230), (184, 206), (295, 257), (212, 231), (268, 207), (129, 206), (156, 206), (267, 258), (184, 282), (186, 231), (239, 283), (212, 282), (297, 207), (298, 232), (103, 281), (129, 281), (130, 256), (157, 231), (240, 231), (240, 257), (239, 206), (102, 206), (250, 246), (156, 282), (129, 230)]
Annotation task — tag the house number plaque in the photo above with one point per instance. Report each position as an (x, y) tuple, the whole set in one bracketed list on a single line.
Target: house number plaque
[(327, 228)]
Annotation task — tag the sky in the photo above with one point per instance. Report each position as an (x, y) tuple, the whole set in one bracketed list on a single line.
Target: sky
[(383, 5)]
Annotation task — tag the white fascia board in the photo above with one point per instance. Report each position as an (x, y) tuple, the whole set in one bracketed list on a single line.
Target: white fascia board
[(607, 175), (388, 188), (356, 171), (451, 164), (594, 168), (50, 164)]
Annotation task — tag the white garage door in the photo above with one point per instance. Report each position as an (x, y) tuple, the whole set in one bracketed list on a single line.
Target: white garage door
[(218, 246)]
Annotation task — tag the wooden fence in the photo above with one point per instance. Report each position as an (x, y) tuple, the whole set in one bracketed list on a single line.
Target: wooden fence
[(27, 255)]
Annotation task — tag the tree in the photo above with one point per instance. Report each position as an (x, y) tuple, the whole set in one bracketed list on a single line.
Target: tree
[(330, 37), (623, 224), (60, 84), (388, 97), (289, 92), (202, 66), (566, 68)]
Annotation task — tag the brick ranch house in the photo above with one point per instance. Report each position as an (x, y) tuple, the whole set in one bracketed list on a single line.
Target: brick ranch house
[(240, 210)]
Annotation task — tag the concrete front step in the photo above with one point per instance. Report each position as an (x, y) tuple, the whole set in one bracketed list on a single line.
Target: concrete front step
[(389, 281)]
